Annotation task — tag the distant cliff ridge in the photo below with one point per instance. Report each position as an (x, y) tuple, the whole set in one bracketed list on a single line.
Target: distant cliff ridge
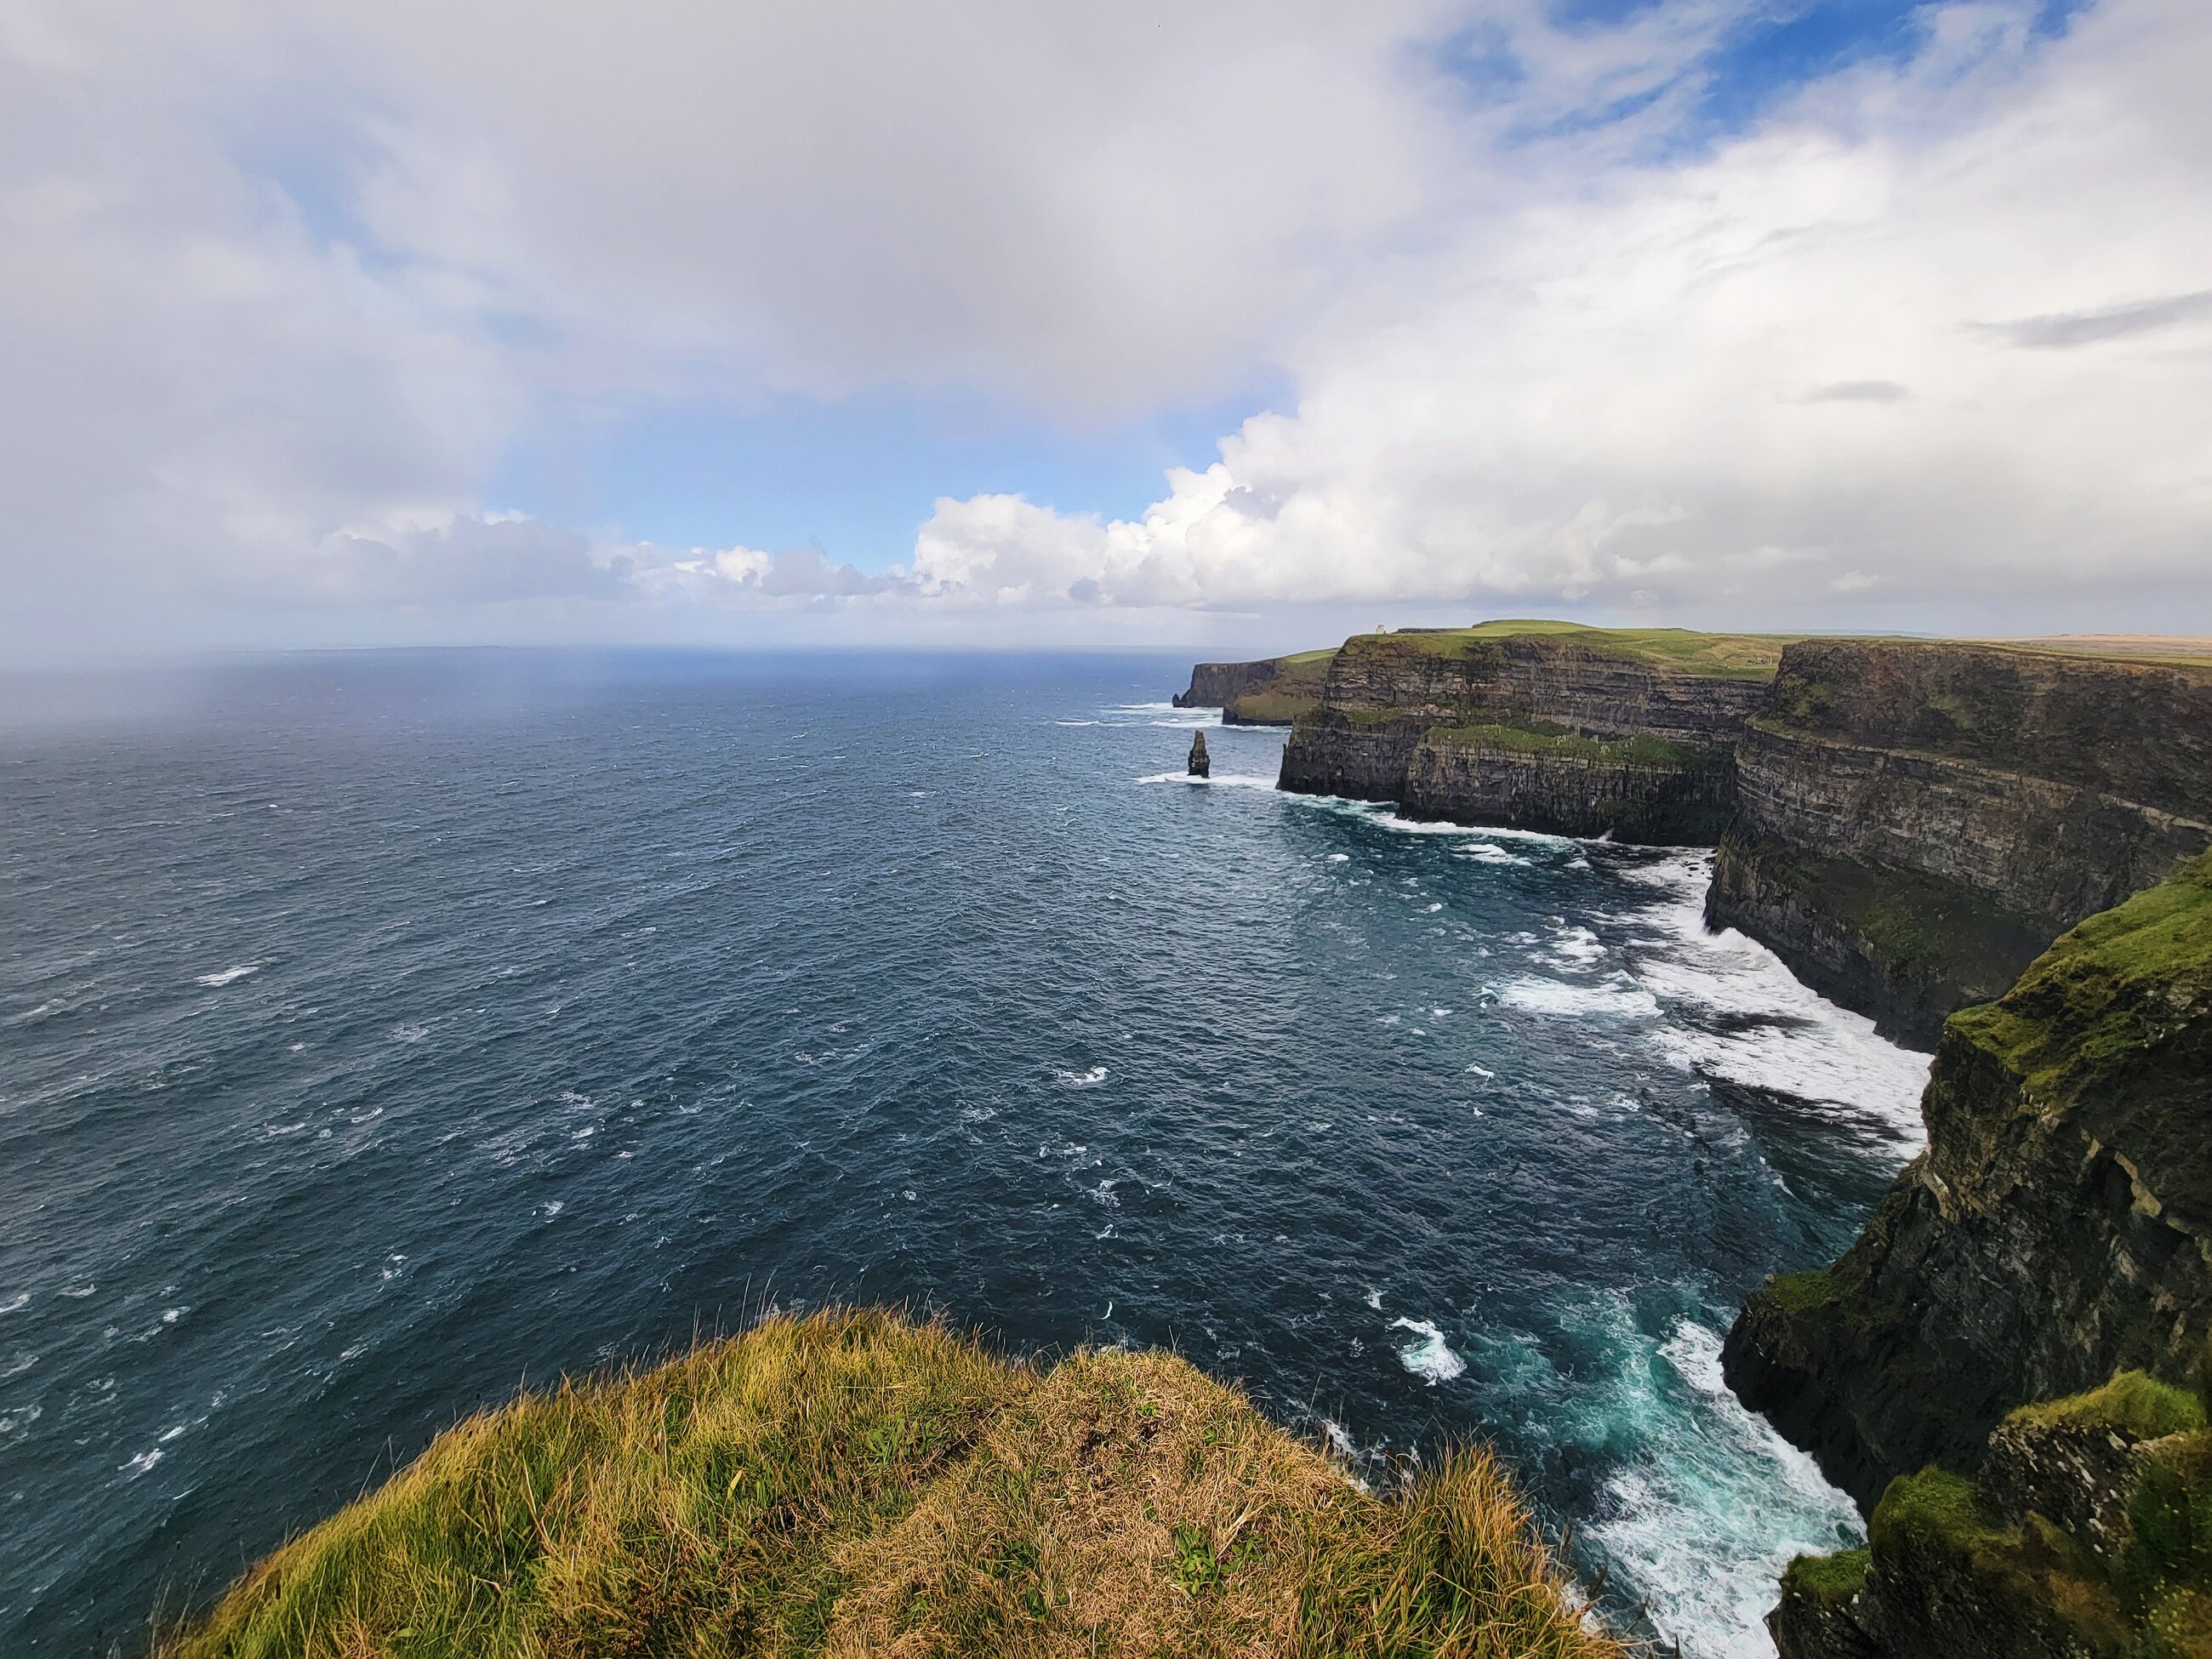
[(1272, 691), (1547, 727)]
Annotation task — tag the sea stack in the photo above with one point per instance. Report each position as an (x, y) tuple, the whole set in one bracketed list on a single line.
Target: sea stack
[(1200, 766)]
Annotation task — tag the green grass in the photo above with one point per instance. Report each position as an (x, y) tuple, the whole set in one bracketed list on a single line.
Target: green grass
[(1725, 656), (1828, 1578), (1938, 1511), (1525, 740), (852, 1483), (1273, 707), (2133, 1401), (2121, 983), (1794, 1293)]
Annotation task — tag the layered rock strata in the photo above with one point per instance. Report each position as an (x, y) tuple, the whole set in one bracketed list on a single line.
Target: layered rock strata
[(1915, 820), (1273, 691), (2057, 1228), (1526, 731)]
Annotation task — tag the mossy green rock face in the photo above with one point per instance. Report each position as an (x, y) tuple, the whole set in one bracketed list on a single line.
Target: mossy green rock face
[(2087, 1534), (1917, 819), (2058, 1229)]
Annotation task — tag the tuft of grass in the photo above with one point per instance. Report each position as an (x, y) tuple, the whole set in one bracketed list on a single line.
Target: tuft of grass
[(852, 1483), (2133, 1401), (1829, 1579)]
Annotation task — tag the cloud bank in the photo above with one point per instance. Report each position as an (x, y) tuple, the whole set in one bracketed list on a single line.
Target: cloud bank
[(286, 289)]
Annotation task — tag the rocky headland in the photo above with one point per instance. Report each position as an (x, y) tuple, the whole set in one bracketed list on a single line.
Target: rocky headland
[(1996, 850), (1574, 731), (1906, 824), (1272, 691)]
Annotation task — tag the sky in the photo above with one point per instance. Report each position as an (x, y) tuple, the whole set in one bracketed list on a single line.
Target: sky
[(1019, 323)]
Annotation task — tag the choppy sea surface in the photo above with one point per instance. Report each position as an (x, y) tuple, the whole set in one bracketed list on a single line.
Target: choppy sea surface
[(378, 1031)]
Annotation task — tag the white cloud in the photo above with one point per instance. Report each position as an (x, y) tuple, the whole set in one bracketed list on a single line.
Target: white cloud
[(1756, 380), (285, 287)]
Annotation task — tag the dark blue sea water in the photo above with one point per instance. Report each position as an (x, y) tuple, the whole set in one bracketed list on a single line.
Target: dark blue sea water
[(381, 1030)]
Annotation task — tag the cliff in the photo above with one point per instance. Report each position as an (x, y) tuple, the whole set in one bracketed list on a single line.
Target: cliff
[(2083, 1537), (850, 1484), (1272, 691), (1915, 820), (2057, 1228), (1543, 725)]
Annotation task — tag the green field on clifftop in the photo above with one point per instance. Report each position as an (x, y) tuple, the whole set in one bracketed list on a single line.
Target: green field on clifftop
[(853, 1483), (1724, 656)]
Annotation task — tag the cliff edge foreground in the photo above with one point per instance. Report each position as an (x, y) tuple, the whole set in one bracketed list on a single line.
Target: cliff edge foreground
[(849, 1483)]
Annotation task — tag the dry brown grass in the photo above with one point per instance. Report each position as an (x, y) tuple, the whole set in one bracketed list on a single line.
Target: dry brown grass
[(853, 1484)]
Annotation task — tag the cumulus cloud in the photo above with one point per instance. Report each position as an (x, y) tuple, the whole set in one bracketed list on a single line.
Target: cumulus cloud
[(288, 288), (1753, 381)]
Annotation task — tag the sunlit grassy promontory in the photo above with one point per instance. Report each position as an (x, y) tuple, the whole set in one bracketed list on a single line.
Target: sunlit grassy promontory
[(853, 1482)]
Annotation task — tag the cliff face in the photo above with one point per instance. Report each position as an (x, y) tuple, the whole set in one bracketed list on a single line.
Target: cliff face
[(1637, 790), (1542, 731), (1915, 820), (1272, 691), (2079, 1538), (2057, 1228)]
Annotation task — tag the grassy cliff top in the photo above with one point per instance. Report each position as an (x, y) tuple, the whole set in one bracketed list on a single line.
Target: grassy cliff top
[(1723, 656), (2126, 983), (851, 1483)]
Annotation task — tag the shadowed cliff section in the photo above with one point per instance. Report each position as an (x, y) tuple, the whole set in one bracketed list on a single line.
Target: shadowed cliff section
[(2057, 1228), (850, 1483), (1538, 726), (1916, 819)]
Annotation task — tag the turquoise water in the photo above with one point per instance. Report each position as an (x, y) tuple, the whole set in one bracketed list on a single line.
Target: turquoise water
[(382, 1030)]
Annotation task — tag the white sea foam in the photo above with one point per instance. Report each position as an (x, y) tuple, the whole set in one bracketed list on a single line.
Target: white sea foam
[(1488, 852), (1702, 1525), (1429, 1357), (1577, 947), (145, 1460), (1741, 1017), (1615, 997), (224, 976), (1220, 780), (17, 1303), (1090, 1080)]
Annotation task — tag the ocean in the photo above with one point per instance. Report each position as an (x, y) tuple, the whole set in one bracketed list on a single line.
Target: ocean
[(385, 1030)]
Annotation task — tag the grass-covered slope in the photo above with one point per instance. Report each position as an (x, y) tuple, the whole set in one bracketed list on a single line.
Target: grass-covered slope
[(852, 1483), (1685, 650)]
